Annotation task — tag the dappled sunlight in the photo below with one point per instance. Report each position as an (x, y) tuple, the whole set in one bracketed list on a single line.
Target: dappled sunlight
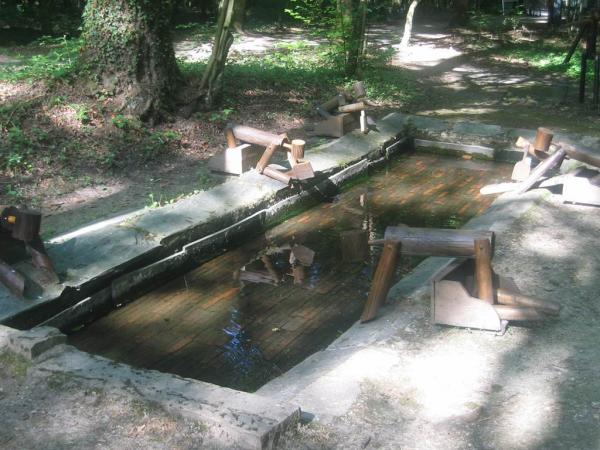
[(474, 111), (419, 56), (454, 377), (191, 50)]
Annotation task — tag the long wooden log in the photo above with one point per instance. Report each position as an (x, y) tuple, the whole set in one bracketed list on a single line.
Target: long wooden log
[(382, 280), (258, 137), (507, 312), (435, 241), (330, 104), (544, 167), (584, 156), (511, 298), (483, 270), (353, 107)]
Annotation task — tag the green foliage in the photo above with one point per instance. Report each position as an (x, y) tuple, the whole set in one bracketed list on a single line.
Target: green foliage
[(546, 57), (310, 73), (50, 59), (312, 12), (15, 151), (221, 116)]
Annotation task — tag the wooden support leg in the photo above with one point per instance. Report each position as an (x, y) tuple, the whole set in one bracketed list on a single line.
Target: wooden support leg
[(263, 162), (483, 270), (277, 175), (382, 280)]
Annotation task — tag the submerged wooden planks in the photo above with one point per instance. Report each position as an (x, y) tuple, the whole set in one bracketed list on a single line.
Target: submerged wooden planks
[(204, 325)]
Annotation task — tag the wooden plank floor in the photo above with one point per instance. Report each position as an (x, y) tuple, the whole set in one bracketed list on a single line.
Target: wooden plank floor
[(206, 325)]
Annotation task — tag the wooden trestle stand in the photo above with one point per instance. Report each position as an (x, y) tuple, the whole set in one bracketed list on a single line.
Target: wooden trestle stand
[(239, 158), (466, 292), (343, 113), (577, 188), (20, 230)]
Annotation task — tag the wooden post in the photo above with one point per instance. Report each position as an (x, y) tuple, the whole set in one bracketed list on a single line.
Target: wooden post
[(483, 270), (382, 280), (364, 126), (543, 138), (231, 142)]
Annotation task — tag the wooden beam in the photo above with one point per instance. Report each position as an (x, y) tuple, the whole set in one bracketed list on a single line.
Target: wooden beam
[(258, 137), (435, 241)]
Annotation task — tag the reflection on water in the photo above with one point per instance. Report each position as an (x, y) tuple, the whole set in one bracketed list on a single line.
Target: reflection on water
[(254, 312)]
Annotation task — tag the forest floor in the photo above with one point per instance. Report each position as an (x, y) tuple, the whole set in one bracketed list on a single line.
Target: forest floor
[(68, 150), (538, 386)]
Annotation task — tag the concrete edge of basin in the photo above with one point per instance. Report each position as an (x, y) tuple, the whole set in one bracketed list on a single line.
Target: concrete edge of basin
[(232, 418)]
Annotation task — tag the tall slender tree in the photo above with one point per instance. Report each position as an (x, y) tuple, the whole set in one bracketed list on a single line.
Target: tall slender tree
[(211, 86)]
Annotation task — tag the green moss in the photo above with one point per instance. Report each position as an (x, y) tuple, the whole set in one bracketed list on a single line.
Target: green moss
[(16, 364)]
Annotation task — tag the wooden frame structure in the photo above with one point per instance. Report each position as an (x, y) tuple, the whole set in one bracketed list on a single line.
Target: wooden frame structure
[(466, 292), (20, 227)]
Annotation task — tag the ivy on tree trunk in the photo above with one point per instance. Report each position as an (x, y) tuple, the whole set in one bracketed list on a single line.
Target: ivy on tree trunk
[(128, 47)]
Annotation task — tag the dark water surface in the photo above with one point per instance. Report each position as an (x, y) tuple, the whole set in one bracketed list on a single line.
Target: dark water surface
[(249, 315)]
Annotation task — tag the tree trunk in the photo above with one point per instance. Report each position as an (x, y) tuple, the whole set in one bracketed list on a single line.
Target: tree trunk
[(461, 12), (212, 80), (129, 48), (239, 16), (408, 25), (352, 20)]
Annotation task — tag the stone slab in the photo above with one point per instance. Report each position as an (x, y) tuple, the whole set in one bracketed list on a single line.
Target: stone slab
[(234, 418)]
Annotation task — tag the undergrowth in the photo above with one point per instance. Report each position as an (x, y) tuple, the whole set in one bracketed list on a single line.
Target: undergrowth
[(47, 58)]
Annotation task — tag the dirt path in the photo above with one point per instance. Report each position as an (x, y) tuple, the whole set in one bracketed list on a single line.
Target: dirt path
[(465, 83)]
